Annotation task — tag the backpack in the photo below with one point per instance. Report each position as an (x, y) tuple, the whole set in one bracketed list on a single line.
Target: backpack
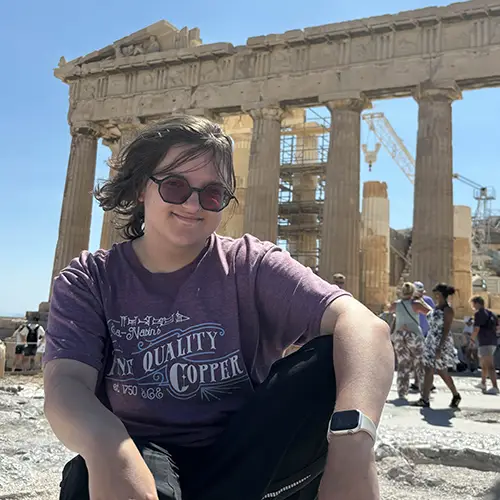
[(493, 321), (32, 337)]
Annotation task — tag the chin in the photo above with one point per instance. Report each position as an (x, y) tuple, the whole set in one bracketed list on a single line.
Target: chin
[(185, 239)]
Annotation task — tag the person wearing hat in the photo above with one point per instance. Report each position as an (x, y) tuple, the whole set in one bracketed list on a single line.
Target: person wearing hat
[(420, 293)]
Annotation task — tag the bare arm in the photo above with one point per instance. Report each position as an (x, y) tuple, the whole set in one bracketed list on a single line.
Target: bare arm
[(363, 356), (420, 307), (364, 362), (448, 320), (392, 307), (74, 412), (475, 333)]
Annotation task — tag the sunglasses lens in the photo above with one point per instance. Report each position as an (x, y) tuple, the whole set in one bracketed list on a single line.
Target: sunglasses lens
[(175, 190), (214, 197)]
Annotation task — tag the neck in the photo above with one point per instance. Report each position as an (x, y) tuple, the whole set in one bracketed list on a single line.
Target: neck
[(158, 257)]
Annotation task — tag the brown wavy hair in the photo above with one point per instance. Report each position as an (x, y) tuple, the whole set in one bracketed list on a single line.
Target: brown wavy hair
[(138, 160)]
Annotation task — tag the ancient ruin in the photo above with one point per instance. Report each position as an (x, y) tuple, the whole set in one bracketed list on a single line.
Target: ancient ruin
[(259, 92)]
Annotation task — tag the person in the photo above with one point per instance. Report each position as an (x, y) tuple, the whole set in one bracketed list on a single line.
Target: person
[(339, 280), (420, 293), (163, 364), (407, 338), (439, 350), (470, 347), (485, 331), (34, 331), (20, 335)]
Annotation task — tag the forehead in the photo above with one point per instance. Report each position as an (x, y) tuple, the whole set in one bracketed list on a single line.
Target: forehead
[(197, 170)]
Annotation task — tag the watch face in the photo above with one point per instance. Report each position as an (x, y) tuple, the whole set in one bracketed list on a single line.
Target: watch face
[(344, 420)]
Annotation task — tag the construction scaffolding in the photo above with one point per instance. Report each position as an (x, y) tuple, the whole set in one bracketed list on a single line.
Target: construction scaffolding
[(304, 153)]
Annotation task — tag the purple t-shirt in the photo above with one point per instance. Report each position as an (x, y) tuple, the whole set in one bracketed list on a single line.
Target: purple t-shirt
[(189, 347)]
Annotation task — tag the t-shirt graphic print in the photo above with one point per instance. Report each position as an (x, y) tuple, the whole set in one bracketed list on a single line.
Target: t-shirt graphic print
[(173, 357)]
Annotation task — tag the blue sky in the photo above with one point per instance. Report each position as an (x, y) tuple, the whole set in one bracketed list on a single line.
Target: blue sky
[(34, 135)]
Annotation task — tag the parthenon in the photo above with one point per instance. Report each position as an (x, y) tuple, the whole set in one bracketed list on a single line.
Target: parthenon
[(432, 54)]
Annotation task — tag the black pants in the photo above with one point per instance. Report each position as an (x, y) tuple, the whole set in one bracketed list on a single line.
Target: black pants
[(275, 448)]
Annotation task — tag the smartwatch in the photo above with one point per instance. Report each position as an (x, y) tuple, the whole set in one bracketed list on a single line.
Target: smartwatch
[(351, 422)]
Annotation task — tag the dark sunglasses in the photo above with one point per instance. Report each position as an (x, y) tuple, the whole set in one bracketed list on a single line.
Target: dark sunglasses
[(176, 189)]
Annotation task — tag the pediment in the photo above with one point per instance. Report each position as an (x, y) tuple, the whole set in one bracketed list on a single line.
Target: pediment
[(157, 37)]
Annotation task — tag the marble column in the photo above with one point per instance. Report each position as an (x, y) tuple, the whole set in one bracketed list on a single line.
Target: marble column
[(375, 245), (462, 260), (261, 204), (432, 237), (76, 211), (109, 233), (340, 242), (240, 130)]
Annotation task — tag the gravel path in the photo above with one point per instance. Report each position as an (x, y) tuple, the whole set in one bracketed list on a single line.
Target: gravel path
[(414, 462)]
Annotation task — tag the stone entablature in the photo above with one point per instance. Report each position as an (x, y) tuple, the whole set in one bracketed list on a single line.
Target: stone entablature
[(160, 69)]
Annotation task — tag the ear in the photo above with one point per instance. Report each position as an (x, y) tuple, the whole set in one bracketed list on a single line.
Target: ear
[(142, 195)]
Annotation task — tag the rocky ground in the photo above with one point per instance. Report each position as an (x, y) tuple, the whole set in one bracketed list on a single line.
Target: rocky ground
[(433, 454)]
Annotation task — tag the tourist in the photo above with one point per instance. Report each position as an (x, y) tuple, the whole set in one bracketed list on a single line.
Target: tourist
[(485, 331), (339, 280), (420, 293), (34, 331), (407, 338), (27, 336), (20, 336), (470, 347), (196, 382), (439, 351)]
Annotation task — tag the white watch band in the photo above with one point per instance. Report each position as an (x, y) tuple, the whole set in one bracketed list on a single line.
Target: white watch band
[(368, 426), (365, 424)]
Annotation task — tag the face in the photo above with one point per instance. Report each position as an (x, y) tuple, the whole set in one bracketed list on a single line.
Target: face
[(438, 297), (187, 224), (474, 306), (419, 293)]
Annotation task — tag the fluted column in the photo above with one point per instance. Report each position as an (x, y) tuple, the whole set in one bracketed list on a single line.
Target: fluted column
[(375, 244), (432, 238), (340, 233), (76, 211), (109, 233), (261, 206), (240, 129), (462, 259)]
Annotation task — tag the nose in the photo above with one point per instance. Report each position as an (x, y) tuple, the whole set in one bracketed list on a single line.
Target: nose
[(192, 203)]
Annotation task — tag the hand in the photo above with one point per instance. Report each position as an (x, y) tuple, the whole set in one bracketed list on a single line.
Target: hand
[(438, 353), (350, 471), (120, 474)]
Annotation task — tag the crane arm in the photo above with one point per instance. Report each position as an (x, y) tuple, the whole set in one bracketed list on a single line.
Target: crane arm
[(470, 183), (381, 127)]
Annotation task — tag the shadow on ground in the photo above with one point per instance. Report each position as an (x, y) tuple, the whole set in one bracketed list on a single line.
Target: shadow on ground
[(439, 418)]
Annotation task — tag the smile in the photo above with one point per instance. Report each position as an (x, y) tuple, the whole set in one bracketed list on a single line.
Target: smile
[(185, 219)]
